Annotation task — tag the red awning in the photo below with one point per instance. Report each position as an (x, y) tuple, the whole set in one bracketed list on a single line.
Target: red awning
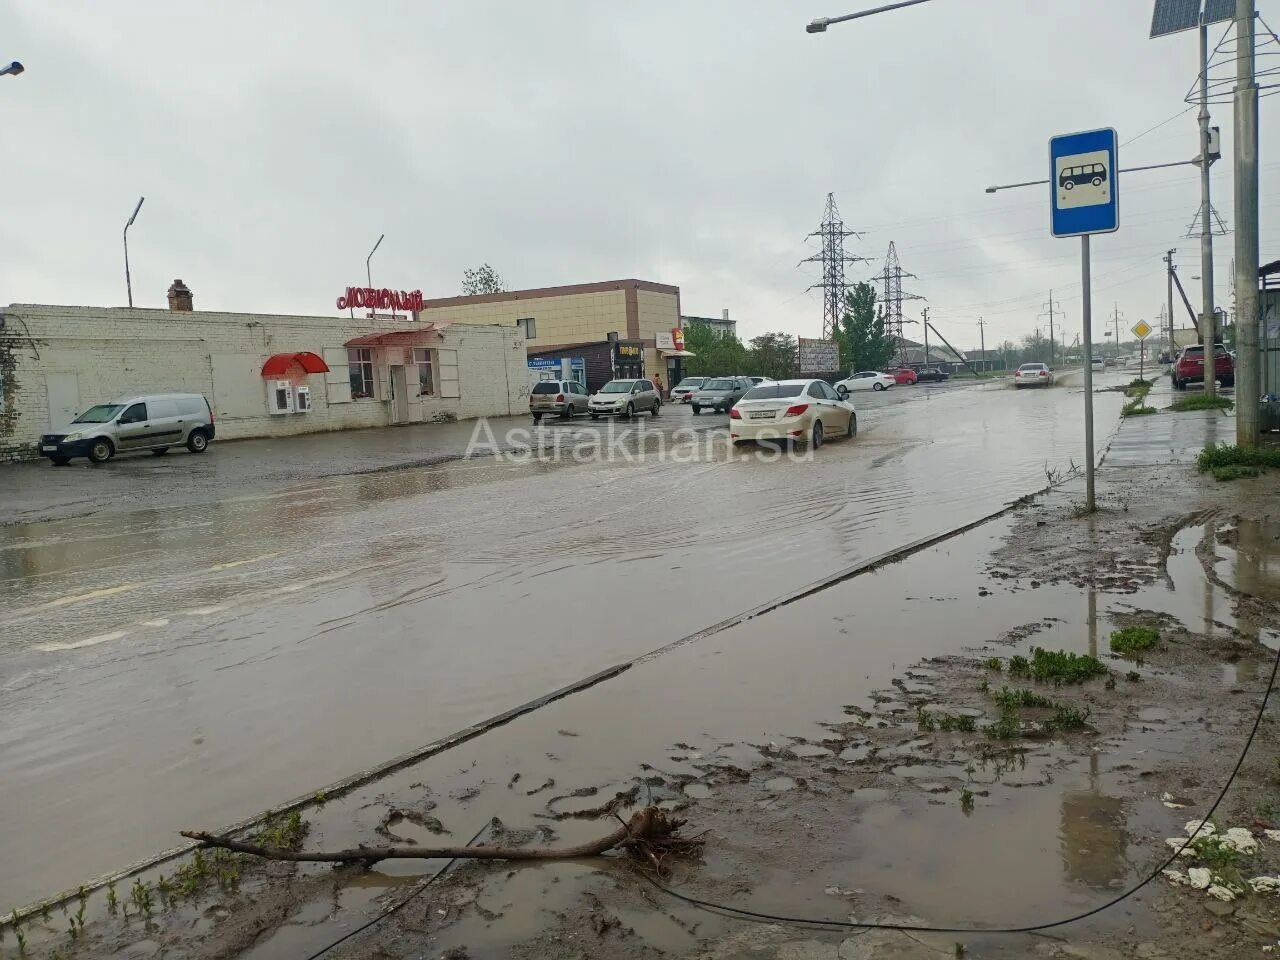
[(280, 362), (396, 338)]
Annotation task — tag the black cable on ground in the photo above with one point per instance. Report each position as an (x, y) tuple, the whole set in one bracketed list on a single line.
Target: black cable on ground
[(396, 908), (970, 928)]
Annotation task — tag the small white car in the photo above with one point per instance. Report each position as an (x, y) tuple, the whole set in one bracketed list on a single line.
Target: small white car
[(683, 391), (1032, 375), (864, 380), (805, 411)]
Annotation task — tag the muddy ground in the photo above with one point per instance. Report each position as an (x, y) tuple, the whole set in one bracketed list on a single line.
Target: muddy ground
[(904, 806)]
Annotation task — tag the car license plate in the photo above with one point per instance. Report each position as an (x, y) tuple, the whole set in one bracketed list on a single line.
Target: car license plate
[(49, 448), (762, 415)]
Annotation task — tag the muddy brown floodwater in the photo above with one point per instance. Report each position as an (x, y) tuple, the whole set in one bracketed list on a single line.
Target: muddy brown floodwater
[(196, 664)]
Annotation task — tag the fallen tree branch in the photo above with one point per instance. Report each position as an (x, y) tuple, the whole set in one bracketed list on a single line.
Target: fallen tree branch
[(649, 826)]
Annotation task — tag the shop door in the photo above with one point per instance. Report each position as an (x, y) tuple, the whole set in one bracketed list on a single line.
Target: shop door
[(399, 395)]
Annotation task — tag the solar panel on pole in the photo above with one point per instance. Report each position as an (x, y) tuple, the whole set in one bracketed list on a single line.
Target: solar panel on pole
[(1215, 11), (1174, 16)]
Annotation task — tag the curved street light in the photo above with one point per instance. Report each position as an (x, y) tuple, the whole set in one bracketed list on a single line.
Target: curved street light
[(12, 70)]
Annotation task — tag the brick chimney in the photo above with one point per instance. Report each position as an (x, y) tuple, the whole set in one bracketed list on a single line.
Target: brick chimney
[(180, 297)]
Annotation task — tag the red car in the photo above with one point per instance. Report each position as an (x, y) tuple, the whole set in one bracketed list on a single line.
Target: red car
[(903, 376), (1189, 367)]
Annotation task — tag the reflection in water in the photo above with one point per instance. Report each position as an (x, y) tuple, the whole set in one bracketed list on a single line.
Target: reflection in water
[(1092, 834), (1093, 622)]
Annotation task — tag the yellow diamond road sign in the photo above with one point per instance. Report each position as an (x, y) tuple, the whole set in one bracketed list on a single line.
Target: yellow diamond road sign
[(1142, 329)]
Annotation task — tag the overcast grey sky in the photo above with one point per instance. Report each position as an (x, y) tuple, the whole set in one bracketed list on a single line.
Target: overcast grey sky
[(567, 141)]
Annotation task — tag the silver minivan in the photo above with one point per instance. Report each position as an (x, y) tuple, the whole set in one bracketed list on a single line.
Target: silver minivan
[(155, 422)]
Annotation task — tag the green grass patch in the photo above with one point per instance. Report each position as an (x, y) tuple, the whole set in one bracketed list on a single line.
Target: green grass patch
[(1136, 408), (993, 663), (1058, 666), (1008, 727), (1138, 388), (1020, 698), (1234, 472), (946, 722), (1201, 401), (1134, 640), (1066, 717)]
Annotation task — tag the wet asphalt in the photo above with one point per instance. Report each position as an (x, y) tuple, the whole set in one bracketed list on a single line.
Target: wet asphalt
[(185, 641)]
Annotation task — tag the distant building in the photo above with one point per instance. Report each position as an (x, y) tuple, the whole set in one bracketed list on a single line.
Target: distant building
[(914, 354), (721, 323)]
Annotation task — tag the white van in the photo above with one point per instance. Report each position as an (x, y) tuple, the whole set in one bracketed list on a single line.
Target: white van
[(155, 422)]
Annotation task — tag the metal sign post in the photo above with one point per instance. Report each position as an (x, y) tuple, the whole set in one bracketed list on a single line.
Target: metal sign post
[(1084, 200), (1141, 330)]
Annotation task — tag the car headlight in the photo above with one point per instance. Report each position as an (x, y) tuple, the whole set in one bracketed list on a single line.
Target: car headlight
[(73, 436)]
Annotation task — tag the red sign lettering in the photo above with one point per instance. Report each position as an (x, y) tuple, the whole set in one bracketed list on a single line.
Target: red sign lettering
[(380, 299)]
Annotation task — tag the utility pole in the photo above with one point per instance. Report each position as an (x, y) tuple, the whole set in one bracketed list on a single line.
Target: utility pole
[(128, 280), (1116, 318), (1050, 308), (1168, 266), (925, 313), (982, 336), (1248, 379), (1208, 321)]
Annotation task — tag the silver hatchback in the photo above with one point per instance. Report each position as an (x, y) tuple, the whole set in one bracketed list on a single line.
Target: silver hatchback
[(155, 422), (624, 398), (560, 398)]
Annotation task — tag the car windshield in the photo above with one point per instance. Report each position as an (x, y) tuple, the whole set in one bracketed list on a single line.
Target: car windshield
[(617, 386), (690, 382), (102, 413), (718, 385), (773, 391), (546, 386), (1031, 367)]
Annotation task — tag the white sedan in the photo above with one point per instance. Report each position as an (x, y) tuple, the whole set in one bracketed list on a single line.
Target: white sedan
[(1032, 375), (807, 411), (865, 380)]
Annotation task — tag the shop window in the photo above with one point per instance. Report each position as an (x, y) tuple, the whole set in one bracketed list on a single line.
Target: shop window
[(529, 326), (425, 361), (360, 368)]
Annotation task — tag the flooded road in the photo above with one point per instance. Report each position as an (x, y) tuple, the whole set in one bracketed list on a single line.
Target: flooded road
[(193, 663)]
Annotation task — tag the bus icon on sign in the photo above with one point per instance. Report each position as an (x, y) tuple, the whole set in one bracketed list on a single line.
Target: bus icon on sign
[(1092, 173)]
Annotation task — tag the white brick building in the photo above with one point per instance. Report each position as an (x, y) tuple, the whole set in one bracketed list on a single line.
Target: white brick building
[(56, 361)]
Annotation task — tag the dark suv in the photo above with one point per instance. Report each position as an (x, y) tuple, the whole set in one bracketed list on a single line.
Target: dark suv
[(1189, 367)]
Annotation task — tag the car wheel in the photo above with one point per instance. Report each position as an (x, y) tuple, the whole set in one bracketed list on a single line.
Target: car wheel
[(657, 404), (1096, 181), (877, 387), (631, 411), (101, 451), (1228, 381), (843, 392), (853, 425), (159, 451), (1069, 185), (60, 461), (197, 441), (537, 419), (815, 438), (567, 412), (696, 409), (595, 416)]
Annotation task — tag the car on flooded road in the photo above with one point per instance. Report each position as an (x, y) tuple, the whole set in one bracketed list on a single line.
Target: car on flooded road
[(1189, 367), (932, 375), (801, 411), (560, 398), (903, 376), (156, 422), (864, 380), (624, 398), (1032, 375), (719, 394), (683, 391)]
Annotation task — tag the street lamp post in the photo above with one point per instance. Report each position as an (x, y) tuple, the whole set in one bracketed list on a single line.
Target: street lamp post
[(128, 281), (12, 70), (820, 25), (368, 271)]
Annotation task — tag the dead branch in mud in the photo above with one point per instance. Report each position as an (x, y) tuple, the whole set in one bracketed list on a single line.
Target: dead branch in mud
[(647, 830)]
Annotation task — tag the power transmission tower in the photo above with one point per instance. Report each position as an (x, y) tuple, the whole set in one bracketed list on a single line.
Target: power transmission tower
[(1048, 310), (833, 259), (1116, 317), (894, 295)]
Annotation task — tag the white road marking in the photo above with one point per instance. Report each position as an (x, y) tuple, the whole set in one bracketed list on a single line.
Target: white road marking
[(77, 644)]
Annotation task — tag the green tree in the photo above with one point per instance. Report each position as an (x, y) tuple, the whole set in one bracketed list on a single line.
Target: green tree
[(864, 342), (1035, 348), (717, 353), (481, 279), (772, 355)]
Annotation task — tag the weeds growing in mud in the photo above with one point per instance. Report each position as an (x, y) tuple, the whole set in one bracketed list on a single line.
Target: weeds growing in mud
[(1136, 408), (1137, 388), (1215, 457), (113, 901), (993, 663), (1133, 676), (1060, 666), (22, 941), (946, 722), (282, 832), (1201, 401), (1111, 682), (984, 686), (1066, 717), (966, 800), (1008, 727), (1134, 640), (1006, 698), (1223, 474)]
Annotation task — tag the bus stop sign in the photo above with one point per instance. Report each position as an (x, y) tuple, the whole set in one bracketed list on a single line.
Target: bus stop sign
[(1084, 184)]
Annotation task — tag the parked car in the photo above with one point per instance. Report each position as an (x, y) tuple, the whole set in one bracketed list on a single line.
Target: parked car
[(931, 375), (756, 381), (807, 411), (864, 380), (1098, 363), (564, 398), (1032, 375), (683, 391), (156, 422), (903, 376), (624, 398), (1189, 367), (720, 393)]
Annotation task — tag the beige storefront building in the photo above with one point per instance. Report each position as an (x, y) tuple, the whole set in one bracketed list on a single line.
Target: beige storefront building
[(635, 313)]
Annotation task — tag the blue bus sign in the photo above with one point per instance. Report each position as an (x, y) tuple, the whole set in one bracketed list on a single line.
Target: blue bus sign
[(1084, 183)]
